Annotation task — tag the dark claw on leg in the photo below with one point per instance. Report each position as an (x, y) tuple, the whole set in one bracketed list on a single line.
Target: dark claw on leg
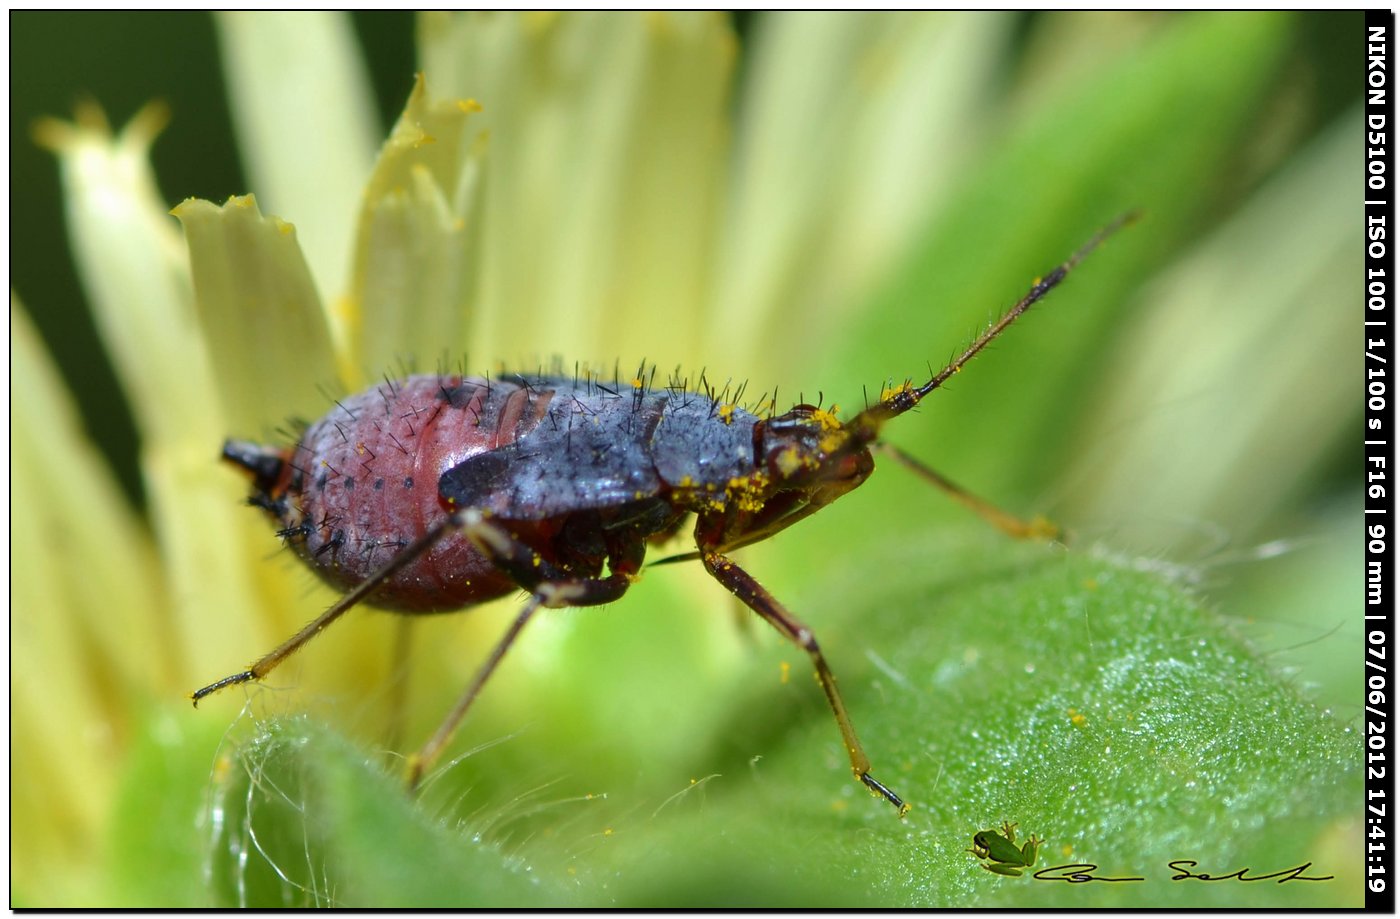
[(212, 688), (878, 788)]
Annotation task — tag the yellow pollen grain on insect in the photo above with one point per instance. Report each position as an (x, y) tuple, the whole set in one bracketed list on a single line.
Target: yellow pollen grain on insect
[(789, 461), (748, 491), (889, 392), (636, 383), (828, 419), (726, 413)]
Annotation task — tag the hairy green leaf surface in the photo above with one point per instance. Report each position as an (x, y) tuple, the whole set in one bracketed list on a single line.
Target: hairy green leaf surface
[(1085, 698)]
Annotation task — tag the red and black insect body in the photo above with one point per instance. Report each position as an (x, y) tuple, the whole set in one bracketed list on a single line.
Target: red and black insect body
[(437, 492)]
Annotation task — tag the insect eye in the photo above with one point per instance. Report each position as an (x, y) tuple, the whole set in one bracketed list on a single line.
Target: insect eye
[(856, 466)]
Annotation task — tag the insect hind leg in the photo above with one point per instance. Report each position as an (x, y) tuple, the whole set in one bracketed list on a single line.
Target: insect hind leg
[(1036, 528), (401, 560)]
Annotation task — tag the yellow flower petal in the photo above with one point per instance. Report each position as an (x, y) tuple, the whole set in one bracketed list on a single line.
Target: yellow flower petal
[(606, 163), (416, 256), (307, 128), (134, 272), (88, 627), (262, 318), (854, 127)]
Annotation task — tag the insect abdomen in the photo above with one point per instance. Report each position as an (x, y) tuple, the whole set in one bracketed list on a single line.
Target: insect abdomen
[(364, 484)]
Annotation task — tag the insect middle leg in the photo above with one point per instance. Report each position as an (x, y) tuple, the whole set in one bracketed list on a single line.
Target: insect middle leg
[(740, 583), (548, 586)]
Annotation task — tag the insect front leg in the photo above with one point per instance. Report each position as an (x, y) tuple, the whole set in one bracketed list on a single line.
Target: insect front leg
[(548, 586), (757, 598), (1036, 528)]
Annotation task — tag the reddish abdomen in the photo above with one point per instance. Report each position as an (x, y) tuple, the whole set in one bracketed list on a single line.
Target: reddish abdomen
[(364, 484)]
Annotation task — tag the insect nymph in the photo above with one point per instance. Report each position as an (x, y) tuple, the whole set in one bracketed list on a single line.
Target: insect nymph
[(438, 492)]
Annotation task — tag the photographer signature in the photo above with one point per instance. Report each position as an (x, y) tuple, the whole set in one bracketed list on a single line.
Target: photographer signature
[(997, 852), (1183, 870)]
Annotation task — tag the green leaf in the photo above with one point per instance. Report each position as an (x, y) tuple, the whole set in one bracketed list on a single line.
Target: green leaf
[(160, 833), (1085, 698), (307, 819)]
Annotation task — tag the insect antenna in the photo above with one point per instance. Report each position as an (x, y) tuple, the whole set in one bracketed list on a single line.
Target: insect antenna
[(867, 424)]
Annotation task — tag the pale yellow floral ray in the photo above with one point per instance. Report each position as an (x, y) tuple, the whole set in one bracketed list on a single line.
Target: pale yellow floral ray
[(608, 139), (88, 623), (307, 128), (257, 304), (854, 127), (135, 272), (417, 250)]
